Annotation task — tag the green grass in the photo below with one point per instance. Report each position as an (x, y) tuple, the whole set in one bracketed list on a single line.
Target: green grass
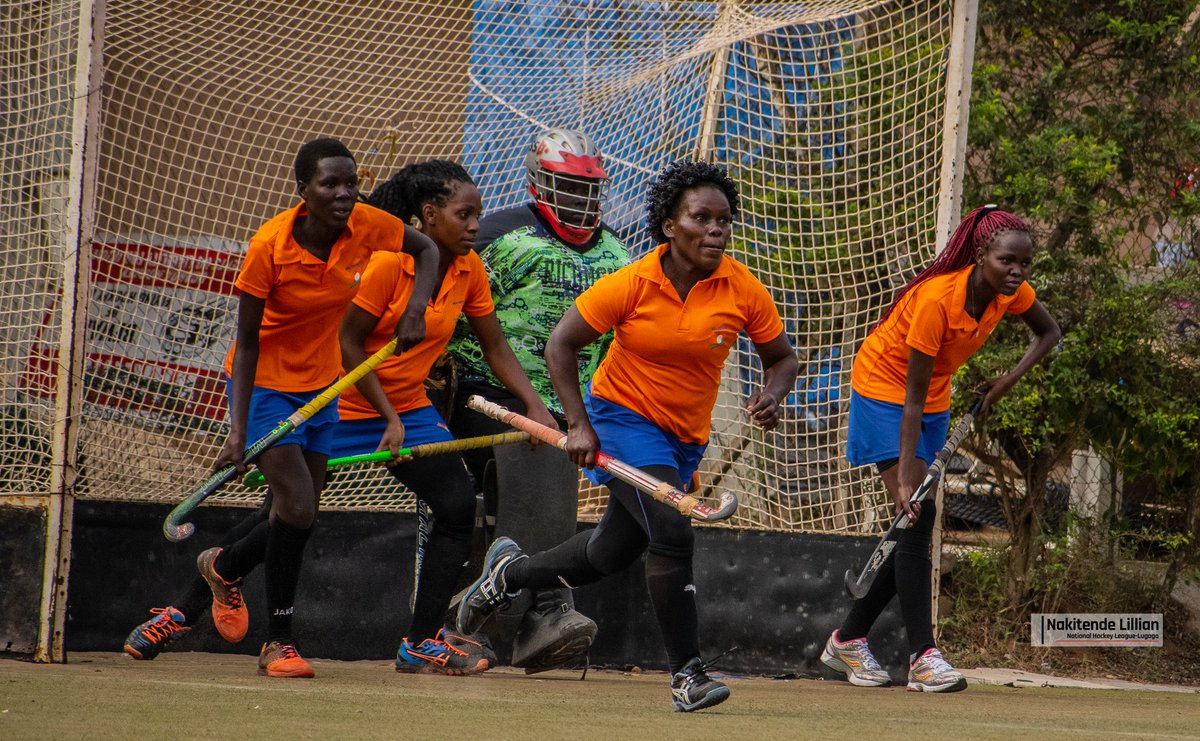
[(194, 695)]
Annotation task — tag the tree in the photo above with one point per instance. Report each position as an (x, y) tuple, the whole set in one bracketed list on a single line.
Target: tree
[(1081, 115)]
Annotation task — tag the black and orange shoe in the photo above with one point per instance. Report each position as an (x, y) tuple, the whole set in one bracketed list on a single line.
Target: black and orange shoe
[(229, 611), (152, 636), (283, 660)]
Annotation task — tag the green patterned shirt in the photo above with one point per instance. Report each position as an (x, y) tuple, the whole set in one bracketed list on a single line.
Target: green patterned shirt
[(535, 279)]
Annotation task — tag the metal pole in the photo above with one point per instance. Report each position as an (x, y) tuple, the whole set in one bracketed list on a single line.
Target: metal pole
[(76, 240), (954, 153)]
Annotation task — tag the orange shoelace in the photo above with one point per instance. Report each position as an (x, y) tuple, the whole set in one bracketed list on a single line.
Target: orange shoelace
[(163, 627)]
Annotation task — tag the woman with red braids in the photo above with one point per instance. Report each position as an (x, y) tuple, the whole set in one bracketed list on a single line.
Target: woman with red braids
[(899, 417)]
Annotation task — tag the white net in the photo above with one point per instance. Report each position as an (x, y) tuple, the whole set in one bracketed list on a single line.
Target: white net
[(828, 115)]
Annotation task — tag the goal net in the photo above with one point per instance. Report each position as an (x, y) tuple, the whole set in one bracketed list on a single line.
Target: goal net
[(828, 114)]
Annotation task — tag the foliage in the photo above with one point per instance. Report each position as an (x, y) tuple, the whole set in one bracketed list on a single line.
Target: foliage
[(1082, 118)]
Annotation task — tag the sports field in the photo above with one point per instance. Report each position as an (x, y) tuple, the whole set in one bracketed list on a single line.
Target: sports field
[(195, 695)]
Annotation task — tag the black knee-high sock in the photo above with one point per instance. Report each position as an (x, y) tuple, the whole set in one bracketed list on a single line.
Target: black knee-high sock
[(194, 601), (445, 553), (285, 553), (673, 592), (566, 561), (864, 612), (239, 558), (915, 588)]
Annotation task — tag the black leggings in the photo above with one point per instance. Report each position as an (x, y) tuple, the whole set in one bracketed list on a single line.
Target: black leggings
[(633, 523), (441, 482), (907, 572)]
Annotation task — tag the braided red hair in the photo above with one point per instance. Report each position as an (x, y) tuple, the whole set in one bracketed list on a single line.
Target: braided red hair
[(966, 245)]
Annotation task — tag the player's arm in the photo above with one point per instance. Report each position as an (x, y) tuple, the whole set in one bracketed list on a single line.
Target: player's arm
[(572, 334), (779, 359), (242, 372), (1046, 335), (916, 389), (357, 325), (507, 368), (410, 329)]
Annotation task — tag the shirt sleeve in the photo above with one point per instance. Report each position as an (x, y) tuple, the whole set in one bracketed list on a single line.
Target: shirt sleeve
[(763, 323), (379, 283), (479, 293), (603, 305), (928, 327), (509, 260), (1023, 300), (257, 276)]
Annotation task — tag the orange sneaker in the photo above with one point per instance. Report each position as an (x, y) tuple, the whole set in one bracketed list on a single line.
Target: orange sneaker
[(229, 611), (282, 660)]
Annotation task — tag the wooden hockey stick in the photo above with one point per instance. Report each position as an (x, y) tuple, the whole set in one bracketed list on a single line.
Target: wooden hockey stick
[(684, 503), (858, 586)]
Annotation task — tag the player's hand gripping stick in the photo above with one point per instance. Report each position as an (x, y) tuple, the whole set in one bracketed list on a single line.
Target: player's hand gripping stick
[(660, 490)]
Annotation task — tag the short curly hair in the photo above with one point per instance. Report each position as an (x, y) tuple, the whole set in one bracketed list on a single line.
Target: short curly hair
[(432, 181), (312, 152), (667, 190)]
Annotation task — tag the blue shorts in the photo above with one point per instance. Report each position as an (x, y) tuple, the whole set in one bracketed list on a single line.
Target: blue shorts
[(874, 432), (269, 408), (631, 438), (360, 436)]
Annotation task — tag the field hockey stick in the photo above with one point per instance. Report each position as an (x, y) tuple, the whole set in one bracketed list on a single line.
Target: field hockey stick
[(176, 530), (858, 586), (684, 503), (255, 479)]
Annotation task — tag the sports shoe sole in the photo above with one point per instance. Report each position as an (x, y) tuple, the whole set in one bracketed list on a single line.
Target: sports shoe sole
[(716, 697), (307, 673), (834, 662), (957, 685), (429, 668), (564, 651)]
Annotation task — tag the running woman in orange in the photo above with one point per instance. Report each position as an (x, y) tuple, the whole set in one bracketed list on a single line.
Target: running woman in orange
[(899, 417), (389, 408), (299, 274), (677, 313)]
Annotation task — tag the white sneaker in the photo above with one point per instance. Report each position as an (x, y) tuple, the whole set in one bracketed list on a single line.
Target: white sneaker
[(932, 673), (855, 660)]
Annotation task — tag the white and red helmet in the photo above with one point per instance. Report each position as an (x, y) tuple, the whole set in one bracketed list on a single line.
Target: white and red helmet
[(566, 177)]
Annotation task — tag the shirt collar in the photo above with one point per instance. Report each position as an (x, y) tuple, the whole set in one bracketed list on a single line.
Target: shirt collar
[(650, 267), (306, 257)]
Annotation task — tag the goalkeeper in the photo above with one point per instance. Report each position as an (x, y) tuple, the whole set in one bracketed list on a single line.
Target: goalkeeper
[(540, 256)]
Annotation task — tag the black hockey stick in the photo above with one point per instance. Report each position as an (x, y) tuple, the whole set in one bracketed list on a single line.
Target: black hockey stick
[(858, 586)]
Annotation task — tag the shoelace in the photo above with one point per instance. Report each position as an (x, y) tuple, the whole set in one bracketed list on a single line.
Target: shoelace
[(288, 651), (442, 646), (936, 662), (864, 653), (163, 627), (233, 597), (699, 674)]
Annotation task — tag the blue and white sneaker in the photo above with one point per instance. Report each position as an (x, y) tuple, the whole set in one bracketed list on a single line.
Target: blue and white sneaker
[(437, 656), (488, 593)]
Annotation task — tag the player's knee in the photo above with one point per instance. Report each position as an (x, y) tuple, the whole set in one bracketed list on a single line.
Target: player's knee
[(675, 540)]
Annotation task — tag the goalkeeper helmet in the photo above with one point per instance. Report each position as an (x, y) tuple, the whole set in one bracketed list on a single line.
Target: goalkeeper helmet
[(566, 177)]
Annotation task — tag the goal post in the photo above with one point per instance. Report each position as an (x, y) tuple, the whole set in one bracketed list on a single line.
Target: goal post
[(160, 150)]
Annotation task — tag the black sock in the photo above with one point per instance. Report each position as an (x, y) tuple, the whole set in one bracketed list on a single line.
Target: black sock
[(673, 592), (913, 585), (285, 553), (546, 570), (239, 558), (445, 553), (864, 612), (195, 600)]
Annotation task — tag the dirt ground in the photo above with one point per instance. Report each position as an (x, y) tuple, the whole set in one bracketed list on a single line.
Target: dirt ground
[(197, 695)]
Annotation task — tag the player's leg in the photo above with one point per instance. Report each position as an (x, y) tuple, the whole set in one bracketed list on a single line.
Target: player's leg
[(537, 505), (172, 622)]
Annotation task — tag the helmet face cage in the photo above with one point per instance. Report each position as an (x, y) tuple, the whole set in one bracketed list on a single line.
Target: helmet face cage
[(566, 176)]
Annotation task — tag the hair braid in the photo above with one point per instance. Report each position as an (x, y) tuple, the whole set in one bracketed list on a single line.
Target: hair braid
[(412, 186), (966, 245)]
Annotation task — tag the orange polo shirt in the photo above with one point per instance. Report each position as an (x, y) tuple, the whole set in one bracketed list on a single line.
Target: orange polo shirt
[(386, 287), (306, 297), (931, 319), (665, 362)]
